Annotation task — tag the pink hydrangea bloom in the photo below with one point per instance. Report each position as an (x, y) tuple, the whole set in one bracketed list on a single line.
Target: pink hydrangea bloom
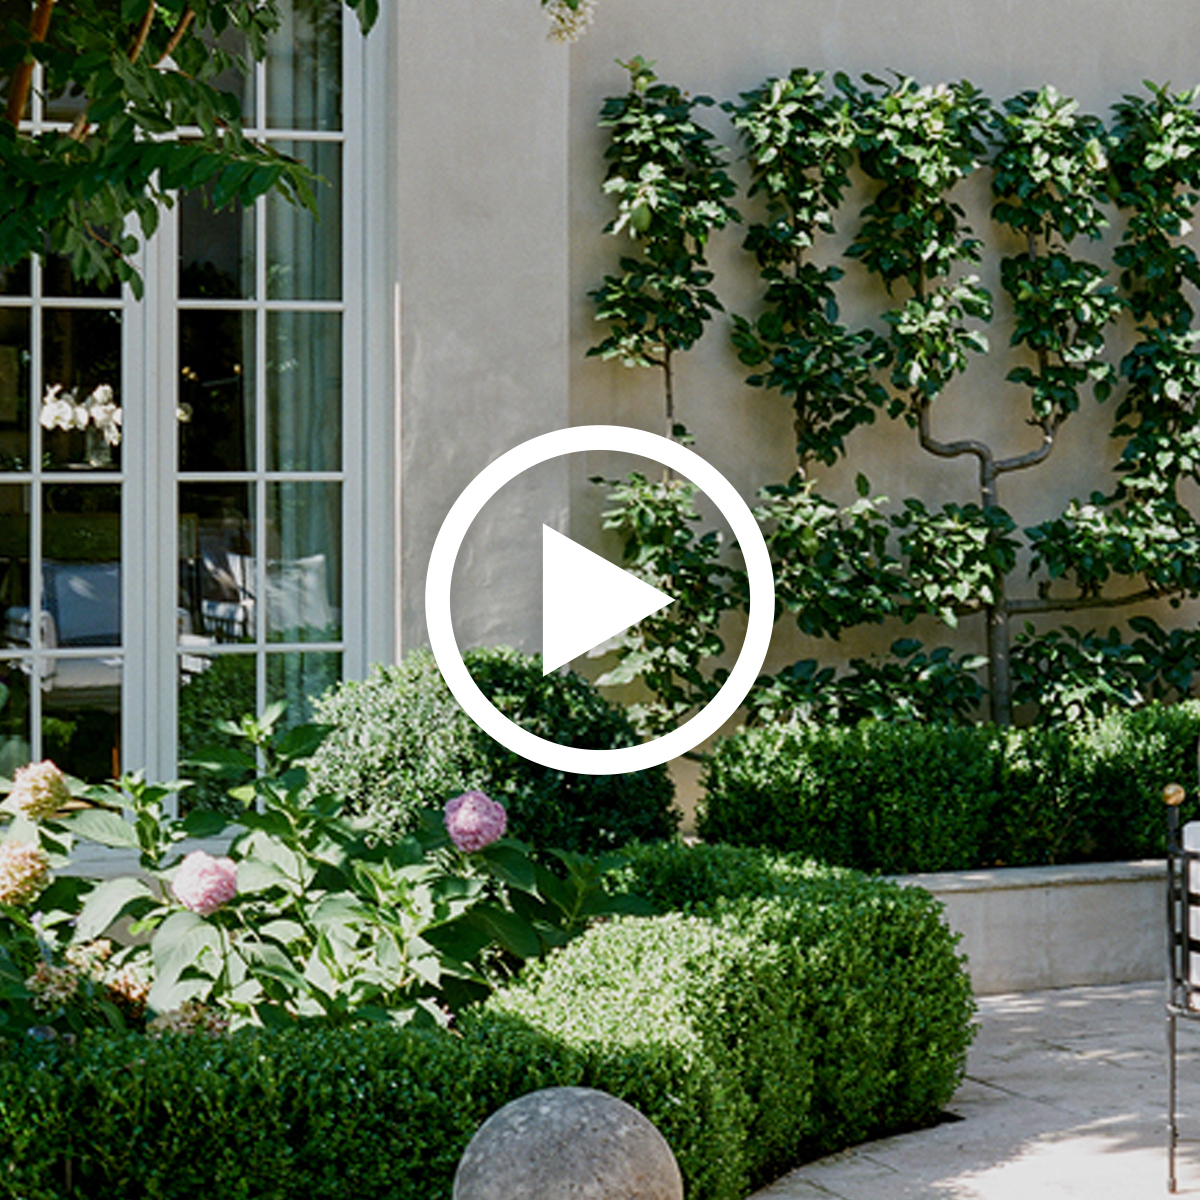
[(474, 820), (39, 791), (24, 872), (204, 883)]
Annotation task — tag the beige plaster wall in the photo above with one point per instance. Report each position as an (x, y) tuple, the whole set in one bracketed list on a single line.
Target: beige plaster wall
[(481, 210), (498, 210), (1094, 50)]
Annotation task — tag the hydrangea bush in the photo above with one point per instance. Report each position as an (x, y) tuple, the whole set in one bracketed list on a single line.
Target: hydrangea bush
[(310, 916)]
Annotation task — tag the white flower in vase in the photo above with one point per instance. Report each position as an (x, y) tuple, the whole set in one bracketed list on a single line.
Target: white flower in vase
[(105, 415), (59, 410)]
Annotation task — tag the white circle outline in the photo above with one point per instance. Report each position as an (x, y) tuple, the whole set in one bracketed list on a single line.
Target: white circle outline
[(466, 508)]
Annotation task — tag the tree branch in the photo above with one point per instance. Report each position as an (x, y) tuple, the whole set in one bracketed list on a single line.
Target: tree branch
[(22, 78), (1050, 430), (139, 41), (177, 35), (79, 126), (1071, 603), (980, 450)]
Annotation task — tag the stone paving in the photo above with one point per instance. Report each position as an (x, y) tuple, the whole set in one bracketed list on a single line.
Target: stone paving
[(1065, 1096)]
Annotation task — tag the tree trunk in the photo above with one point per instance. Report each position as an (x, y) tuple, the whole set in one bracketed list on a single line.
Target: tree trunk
[(999, 659)]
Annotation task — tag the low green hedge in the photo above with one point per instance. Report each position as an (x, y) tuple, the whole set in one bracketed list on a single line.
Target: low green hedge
[(789, 1011), (905, 797), (400, 741)]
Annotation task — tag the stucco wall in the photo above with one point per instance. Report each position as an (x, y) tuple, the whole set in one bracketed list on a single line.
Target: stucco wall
[(1095, 51), (480, 130), (499, 212)]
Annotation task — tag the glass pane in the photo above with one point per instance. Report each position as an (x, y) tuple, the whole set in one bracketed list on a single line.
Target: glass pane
[(304, 391), (219, 687), (216, 391), (298, 679), (304, 253), (216, 250), (14, 716), (81, 407), (216, 563), (304, 61), (57, 280), (304, 562), (81, 573), (14, 389), (65, 105), (14, 281), (233, 79), (81, 716), (14, 564)]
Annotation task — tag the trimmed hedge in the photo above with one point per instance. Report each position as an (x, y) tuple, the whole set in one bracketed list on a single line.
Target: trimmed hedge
[(829, 1007), (905, 798), (400, 742), (792, 1010)]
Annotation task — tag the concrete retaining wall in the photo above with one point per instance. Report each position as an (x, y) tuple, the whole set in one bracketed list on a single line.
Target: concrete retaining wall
[(1028, 928)]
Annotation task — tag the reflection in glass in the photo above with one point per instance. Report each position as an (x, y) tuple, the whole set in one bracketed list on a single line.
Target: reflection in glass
[(14, 716), (304, 253), (233, 44), (81, 716), (14, 281), (304, 60), (65, 106), (304, 563), (212, 688), (216, 391), (57, 280), (298, 679), (81, 575), (216, 249), (304, 391), (14, 389), (80, 410), (14, 564), (216, 564)]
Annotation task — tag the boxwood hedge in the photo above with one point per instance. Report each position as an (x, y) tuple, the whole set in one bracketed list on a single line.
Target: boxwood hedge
[(400, 741), (790, 1010), (906, 797)]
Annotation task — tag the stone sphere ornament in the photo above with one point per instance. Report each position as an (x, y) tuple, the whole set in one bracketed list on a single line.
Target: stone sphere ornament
[(567, 1143)]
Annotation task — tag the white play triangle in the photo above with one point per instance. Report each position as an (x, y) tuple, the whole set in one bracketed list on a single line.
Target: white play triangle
[(586, 600)]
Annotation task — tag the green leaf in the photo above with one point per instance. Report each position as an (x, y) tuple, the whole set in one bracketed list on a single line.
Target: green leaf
[(100, 825), (107, 903), (514, 934), (509, 865)]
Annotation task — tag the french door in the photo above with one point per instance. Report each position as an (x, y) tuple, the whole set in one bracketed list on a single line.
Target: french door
[(181, 505)]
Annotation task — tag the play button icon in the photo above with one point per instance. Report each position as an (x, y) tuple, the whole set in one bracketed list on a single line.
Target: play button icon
[(586, 600)]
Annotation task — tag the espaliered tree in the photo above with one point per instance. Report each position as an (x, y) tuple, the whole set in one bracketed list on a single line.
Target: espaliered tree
[(1053, 173), (1141, 532), (667, 175), (1048, 178)]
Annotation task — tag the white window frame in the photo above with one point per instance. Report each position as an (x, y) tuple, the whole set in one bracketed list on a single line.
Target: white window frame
[(370, 392)]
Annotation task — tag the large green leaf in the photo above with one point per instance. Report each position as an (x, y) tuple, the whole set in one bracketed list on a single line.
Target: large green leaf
[(100, 825), (513, 933), (267, 959), (509, 865), (178, 946), (107, 903)]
